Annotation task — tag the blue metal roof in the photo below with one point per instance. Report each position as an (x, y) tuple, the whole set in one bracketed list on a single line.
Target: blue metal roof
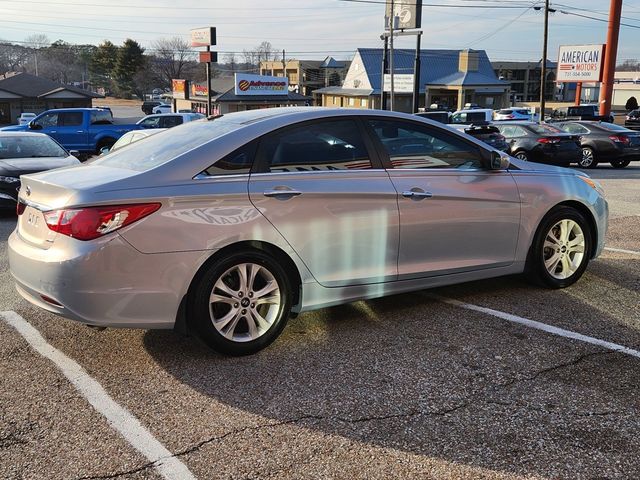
[(437, 67)]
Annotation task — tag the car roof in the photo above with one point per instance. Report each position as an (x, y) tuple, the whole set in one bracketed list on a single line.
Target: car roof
[(22, 134)]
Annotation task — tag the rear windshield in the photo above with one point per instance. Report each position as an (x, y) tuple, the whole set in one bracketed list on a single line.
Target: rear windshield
[(544, 129), (167, 145), (613, 127), (29, 146)]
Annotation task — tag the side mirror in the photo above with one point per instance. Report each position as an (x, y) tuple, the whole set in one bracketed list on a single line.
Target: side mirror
[(74, 153), (104, 150), (33, 126), (499, 161)]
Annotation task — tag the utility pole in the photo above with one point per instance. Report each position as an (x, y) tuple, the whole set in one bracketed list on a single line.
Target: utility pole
[(543, 68), (385, 68), (611, 53), (392, 20)]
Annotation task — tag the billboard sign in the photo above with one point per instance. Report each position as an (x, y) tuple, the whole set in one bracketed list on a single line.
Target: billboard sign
[(402, 83), (179, 88), (409, 13), (203, 37), (580, 63), (260, 85), (198, 90)]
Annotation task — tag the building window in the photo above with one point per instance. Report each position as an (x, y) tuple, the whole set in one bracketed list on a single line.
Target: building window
[(352, 101), (363, 102)]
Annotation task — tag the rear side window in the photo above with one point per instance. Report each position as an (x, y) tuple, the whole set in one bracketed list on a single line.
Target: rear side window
[(172, 121), (413, 146), (69, 119), (319, 146), (237, 162), (102, 117)]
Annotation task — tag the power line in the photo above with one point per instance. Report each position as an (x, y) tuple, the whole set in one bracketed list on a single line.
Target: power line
[(441, 5)]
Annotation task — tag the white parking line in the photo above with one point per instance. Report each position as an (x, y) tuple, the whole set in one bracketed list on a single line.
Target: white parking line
[(118, 417), (542, 326), (620, 250)]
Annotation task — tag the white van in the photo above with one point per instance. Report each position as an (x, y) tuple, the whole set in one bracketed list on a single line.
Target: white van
[(475, 115)]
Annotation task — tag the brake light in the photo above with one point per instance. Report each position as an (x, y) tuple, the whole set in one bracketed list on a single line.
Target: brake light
[(548, 140), (620, 139), (93, 222), (20, 208)]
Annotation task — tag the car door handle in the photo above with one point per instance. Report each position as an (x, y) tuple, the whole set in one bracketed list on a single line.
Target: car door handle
[(283, 193), (79, 131), (417, 194), (53, 131)]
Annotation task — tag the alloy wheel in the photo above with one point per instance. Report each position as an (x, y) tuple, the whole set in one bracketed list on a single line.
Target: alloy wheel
[(587, 158), (245, 302), (564, 249)]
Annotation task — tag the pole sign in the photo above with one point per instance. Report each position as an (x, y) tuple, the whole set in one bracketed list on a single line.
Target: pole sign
[(179, 88), (203, 37), (402, 82), (260, 85), (409, 13), (580, 63)]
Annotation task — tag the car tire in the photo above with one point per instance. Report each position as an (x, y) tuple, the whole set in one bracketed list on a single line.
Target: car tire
[(241, 304), (560, 250), (588, 159), (521, 155), (620, 163), (105, 142)]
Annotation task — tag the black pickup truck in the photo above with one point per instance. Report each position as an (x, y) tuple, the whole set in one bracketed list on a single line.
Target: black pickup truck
[(580, 112)]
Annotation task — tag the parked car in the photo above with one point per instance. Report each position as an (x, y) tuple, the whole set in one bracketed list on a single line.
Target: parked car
[(149, 105), (469, 116), (162, 108), (27, 152), (437, 116), (512, 114), (168, 120), (224, 227), (581, 112), (131, 137), (632, 120), (606, 142), (86, 130), (487, 133), (539, 142), (25, 118)]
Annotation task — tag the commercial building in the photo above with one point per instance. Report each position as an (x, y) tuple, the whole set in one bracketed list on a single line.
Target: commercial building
[(524, 79), (229, 95), (447, 77), (305, 76), (25, 93)]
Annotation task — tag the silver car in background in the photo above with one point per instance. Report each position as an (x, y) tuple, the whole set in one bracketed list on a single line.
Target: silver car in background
[(226, 227)]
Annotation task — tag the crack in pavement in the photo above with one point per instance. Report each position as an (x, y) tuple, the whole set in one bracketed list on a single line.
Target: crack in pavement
[(411, 413)]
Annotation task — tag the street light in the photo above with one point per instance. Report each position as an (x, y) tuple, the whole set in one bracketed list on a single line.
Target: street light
[(543, 69)]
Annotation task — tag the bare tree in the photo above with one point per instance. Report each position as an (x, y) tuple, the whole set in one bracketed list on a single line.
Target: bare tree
[(37, 41), (262, 53), (13, 58), (172, 57)]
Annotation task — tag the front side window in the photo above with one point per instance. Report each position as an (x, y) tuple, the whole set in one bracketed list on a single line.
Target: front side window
[(319, 146), (415, 146), (48, 120), (152, 122)]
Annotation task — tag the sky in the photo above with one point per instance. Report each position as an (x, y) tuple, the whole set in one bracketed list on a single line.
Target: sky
[(313, 29)]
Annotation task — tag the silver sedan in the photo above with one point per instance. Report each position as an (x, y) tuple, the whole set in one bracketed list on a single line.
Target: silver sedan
[(226, 227)]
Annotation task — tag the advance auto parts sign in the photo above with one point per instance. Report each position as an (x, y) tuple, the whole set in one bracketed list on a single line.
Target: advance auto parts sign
[(580, 63), (261, 85)]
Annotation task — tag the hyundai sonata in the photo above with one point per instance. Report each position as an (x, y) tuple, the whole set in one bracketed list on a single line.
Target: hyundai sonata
[(226, 227)]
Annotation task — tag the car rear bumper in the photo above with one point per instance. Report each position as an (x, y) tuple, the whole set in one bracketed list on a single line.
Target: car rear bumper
[(103, 282)]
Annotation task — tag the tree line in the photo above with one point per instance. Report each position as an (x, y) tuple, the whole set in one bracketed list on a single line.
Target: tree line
[(121, 70)]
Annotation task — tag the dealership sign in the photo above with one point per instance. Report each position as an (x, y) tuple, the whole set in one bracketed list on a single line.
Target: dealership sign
[(580, 63), (260, 85), (408, 13)]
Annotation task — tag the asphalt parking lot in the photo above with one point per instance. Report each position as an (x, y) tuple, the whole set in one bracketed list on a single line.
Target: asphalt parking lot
[(491, 379)]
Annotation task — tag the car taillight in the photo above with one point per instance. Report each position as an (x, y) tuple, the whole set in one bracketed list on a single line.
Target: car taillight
[(20, 207), (92, 222), (547, 140), (620, 139)]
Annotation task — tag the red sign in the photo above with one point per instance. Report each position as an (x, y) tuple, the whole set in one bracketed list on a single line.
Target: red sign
[(198, 90)]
